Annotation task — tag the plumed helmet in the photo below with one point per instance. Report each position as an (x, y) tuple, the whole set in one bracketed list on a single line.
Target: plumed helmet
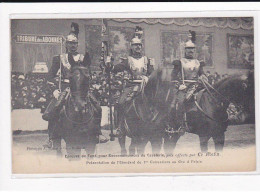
[(71, 38), (189, 44), (74, 32), (192, 38), (136, 41), (138, 32)]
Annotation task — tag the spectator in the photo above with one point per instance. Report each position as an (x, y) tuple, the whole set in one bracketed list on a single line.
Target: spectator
[(34, 91)]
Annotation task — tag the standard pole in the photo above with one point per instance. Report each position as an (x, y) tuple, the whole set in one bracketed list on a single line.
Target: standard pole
[(105, 51), (112, 138), (60, 66)]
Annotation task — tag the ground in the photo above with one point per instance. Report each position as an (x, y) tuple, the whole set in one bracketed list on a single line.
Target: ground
[(240, 136)]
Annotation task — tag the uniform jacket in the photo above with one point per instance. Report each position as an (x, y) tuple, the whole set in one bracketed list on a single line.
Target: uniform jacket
[(67, 63), (192, 69), (136, 67)]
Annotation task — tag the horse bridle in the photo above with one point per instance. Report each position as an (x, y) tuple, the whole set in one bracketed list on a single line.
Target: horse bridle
[(68, 97), (76, 122), (207, 86), (142, 93)]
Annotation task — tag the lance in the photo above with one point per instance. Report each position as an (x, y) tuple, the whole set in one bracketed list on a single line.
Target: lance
[(108, 64)]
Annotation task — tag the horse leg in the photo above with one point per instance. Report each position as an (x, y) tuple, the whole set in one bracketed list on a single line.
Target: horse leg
[(121, 141), (57, 146), (90, 145), (73, 148), (132, 146), (219, 141), (73, 154), (141, 143), (170, 142), (156, 143), (204, 143)]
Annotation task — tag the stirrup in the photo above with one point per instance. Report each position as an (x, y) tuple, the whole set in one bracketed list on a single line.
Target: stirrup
[(102, 140), (119, 132), (170, 130)]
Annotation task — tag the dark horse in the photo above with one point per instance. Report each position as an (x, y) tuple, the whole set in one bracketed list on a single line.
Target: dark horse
[(79, 119), (212, 120), (145, 115)]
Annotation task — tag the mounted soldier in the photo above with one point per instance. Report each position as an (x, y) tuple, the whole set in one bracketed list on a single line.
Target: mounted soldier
[(139, 67), (63, 64), (188, 71)]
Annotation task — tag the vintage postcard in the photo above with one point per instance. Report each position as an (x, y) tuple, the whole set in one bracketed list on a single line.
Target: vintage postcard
[(133, 95)]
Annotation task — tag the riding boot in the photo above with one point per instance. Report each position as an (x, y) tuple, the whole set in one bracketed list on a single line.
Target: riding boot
[(120, 119), (50, 110), (181, 119), (184, 126), (54, 106)]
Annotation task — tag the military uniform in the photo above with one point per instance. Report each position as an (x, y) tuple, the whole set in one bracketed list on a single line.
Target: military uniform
[(139, 67), (187, 71), (62, 64)]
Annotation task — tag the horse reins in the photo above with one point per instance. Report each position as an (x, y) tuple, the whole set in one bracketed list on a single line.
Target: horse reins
[(201, 110), (206, 85), (223, 97), (65, 112)]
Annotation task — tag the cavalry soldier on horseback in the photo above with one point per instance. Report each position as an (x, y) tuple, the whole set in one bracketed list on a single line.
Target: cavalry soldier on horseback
[(189, 72), (139, 67), (63, 64)]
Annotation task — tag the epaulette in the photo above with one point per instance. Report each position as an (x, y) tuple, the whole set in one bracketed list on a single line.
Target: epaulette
[(81, 57)]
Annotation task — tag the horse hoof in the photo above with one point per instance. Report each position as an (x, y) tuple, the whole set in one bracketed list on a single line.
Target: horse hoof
[(59, 154), (112, 137), (123, 152), (103, 141)]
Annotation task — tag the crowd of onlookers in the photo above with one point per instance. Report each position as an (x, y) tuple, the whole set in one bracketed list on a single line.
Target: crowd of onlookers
[(30, 91), (35, 91)]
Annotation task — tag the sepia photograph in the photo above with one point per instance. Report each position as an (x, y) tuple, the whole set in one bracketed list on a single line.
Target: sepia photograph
[(133, 95)]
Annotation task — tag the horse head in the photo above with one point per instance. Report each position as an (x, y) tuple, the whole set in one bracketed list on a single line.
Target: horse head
[(80, 81), (249, 101), (159, 89), (239, 89)]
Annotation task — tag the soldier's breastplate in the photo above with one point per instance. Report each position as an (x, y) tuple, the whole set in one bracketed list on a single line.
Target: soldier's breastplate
[(190, 68), (66, 66), (138, 67)]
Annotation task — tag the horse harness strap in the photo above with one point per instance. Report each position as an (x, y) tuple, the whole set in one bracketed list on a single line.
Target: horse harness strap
[(65, 112), (137, 111), (208, 85), (201, 110)]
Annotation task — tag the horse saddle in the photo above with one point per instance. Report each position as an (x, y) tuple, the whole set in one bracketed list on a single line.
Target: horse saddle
[(52, 110), (191, 105)]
